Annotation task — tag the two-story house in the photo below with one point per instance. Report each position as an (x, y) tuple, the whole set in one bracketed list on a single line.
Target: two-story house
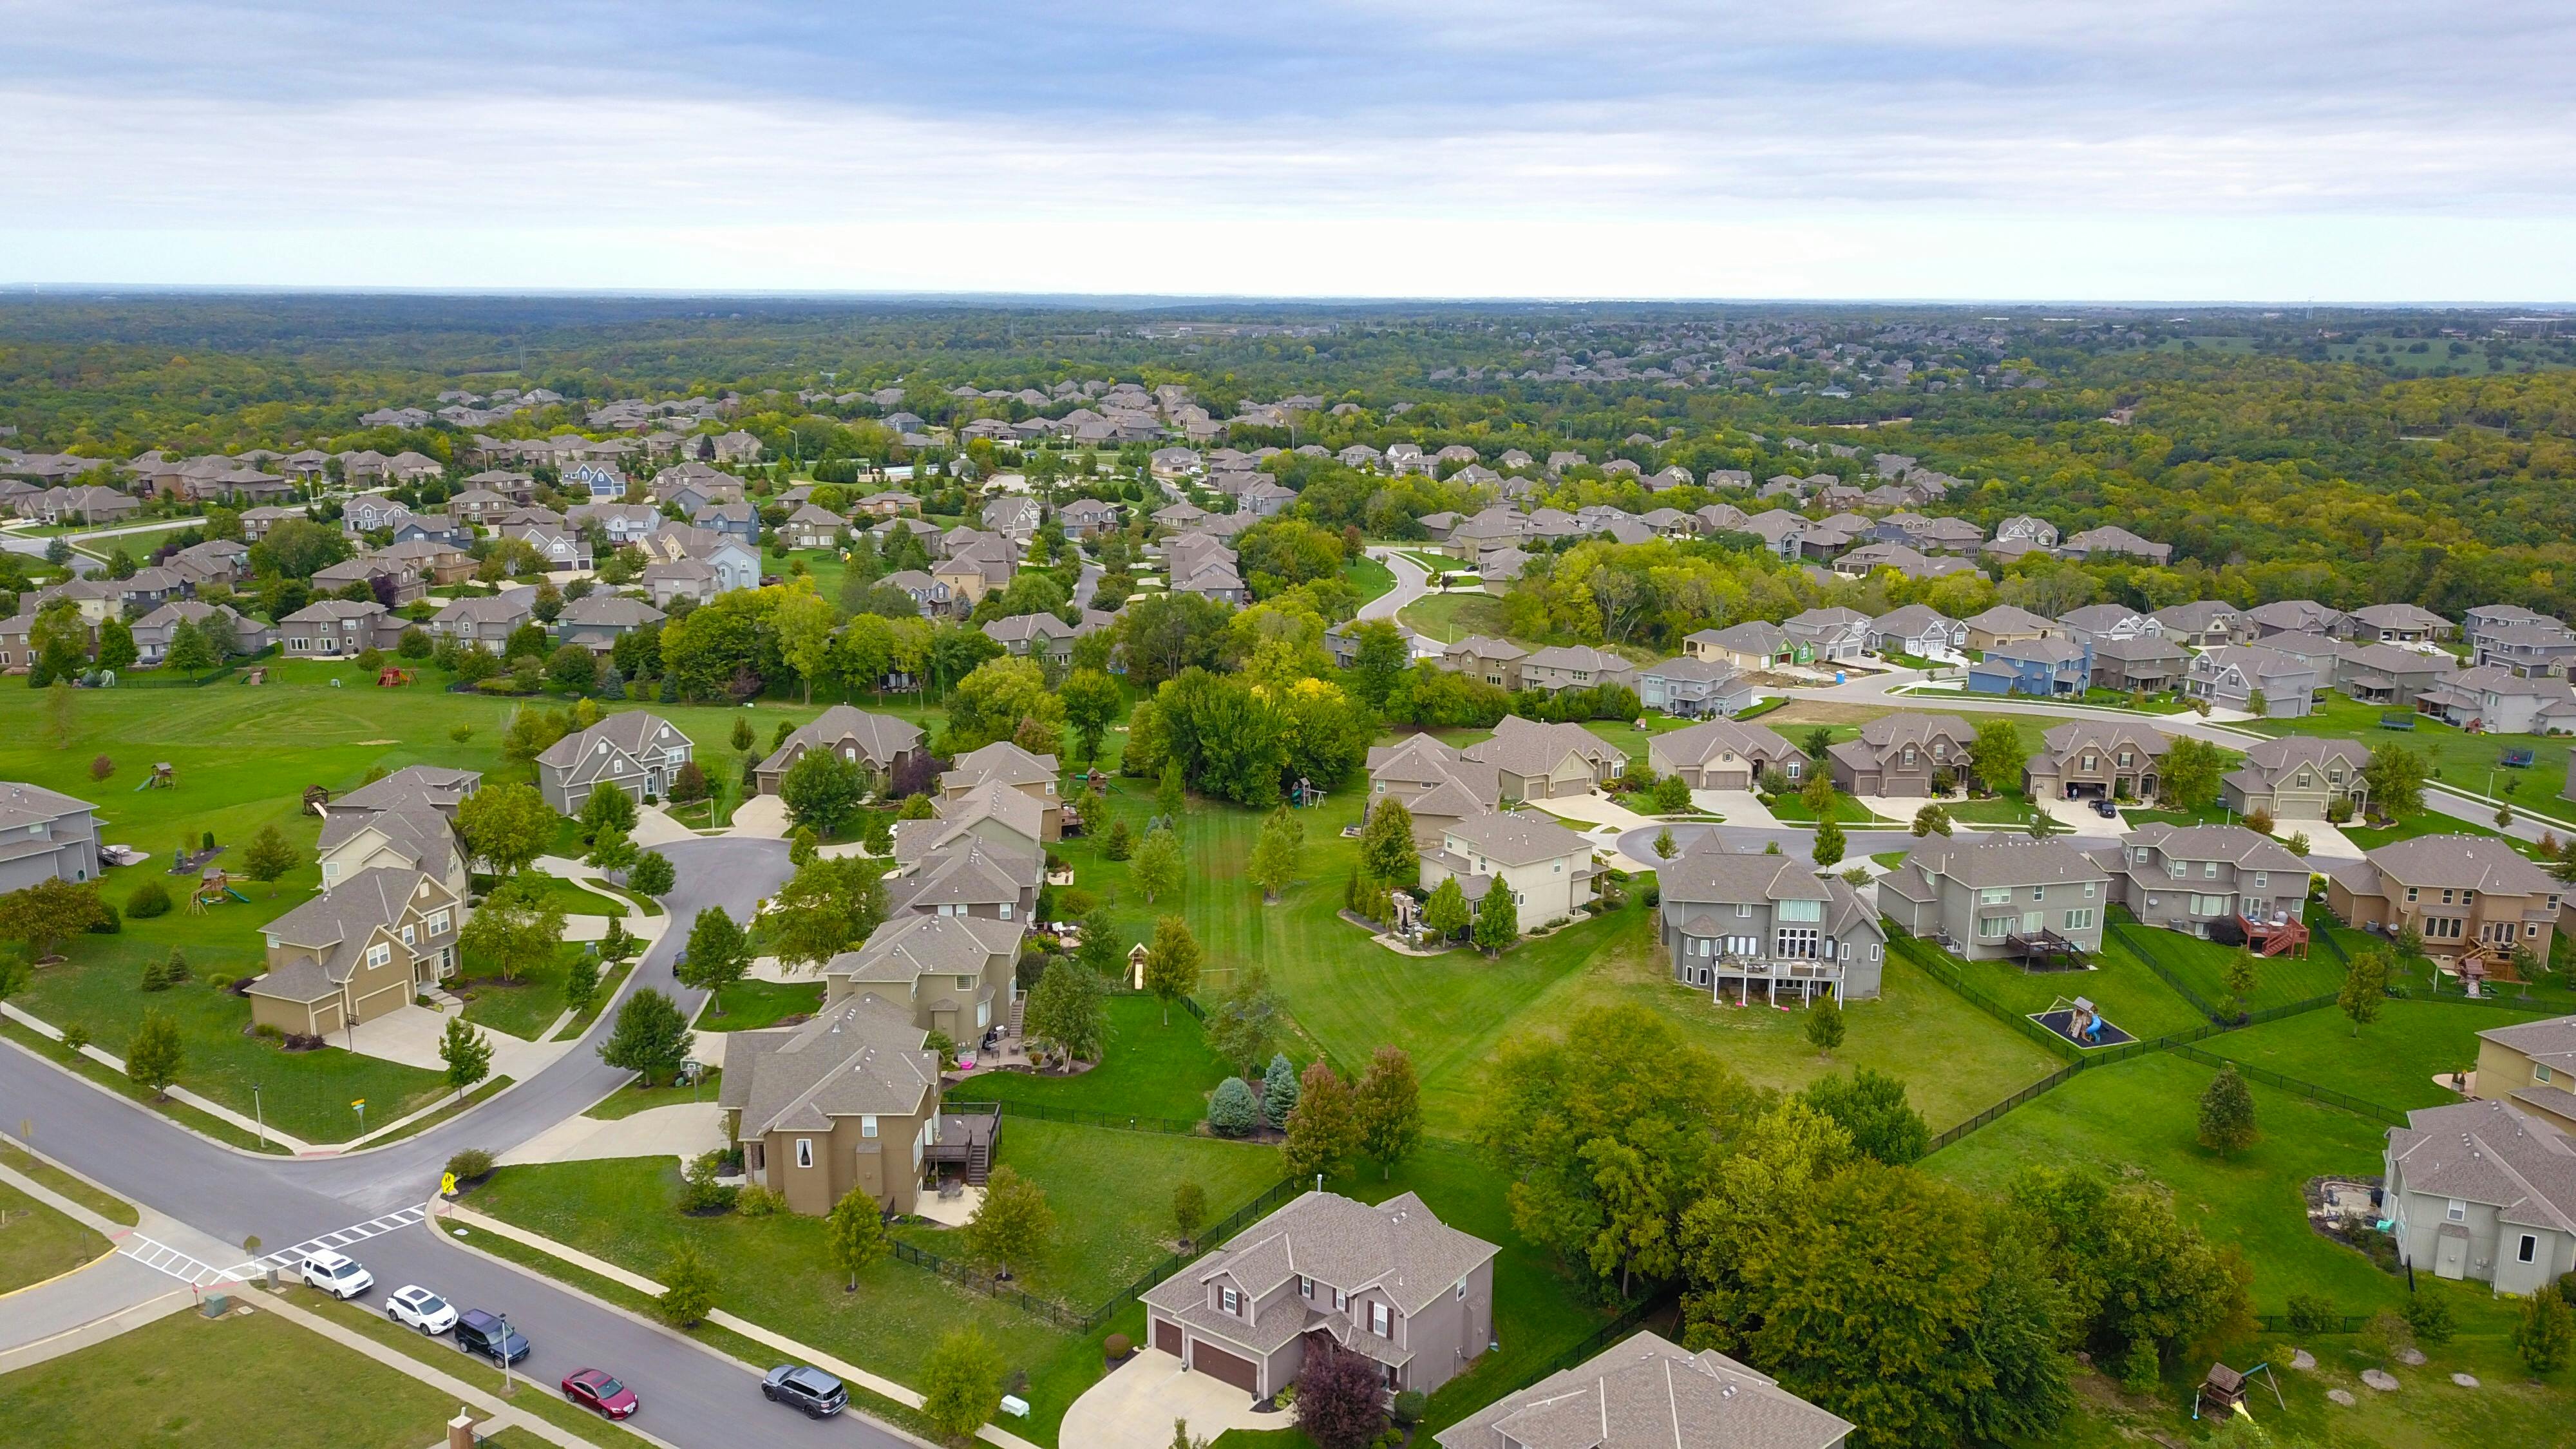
[(403, 827), (360, 950), (2098, 624), (1898, 755), (2498, 701), (948, 974), (633, 751), (2144, 661), (337, 629), (1695, 688), (2535, 649), (2008, 624), (2533, 1065), (1648, 1393), (846, 1102), (879, 742), (45, 834), (2093, 760), (1388, 1280), (2389, 674), (2297, 777), (1918, 630), (597, 621), (232, 632), (2482, 1191), (1562, 667), (1006, 764), (1537, 761), (2204, 624), (2205, 880), (2042, 667), (2473, 899), (1436, 784), (1035, 636), (1547, 868), (1720, 754), (2411, 624), (2000, 897), (1752, 646), (487, 620), (2293, 616), (1830, 636), (2233, 675), (1731, 921)]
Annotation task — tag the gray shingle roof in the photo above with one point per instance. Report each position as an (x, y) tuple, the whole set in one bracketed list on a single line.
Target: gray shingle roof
[(861, 1057), (2492, 1153), (1647, 1393)]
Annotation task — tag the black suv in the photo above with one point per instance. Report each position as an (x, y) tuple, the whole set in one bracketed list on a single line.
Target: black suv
[(484, 1333), (819, 1394)]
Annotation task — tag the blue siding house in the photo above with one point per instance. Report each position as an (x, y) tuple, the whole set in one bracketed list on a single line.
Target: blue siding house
[(2042, 667)]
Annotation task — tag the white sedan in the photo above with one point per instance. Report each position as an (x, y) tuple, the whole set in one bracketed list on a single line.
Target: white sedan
[(416, 1307), (339, 1276)]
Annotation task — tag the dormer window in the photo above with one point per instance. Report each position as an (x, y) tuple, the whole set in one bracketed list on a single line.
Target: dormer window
[(1381, 1320), (1306, 1288)]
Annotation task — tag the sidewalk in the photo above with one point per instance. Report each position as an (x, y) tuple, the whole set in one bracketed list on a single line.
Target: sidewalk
[(453, 1214), (115, 1064)]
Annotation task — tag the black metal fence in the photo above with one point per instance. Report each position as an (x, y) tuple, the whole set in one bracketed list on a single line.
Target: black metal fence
[(1123, 1122), (2310, 1090), (1606, 1336)]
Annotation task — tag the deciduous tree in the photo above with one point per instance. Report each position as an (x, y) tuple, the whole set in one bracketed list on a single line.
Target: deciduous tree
[(1446, 911), (41, 915), (1067, 1012), (507, 825), (718, 954), (1159, 865), (1172, 963), (822, 790), (1388, 855), (2365, 983), (154, 1054), (1389, 1107), (961, 1383), (269, 856), (467, 1053), (517, 927), (1498, 920), (2227, 1114), (1014, 1224), (650, 1038), (1324, 1130), (854, 1233), (1275, 854)]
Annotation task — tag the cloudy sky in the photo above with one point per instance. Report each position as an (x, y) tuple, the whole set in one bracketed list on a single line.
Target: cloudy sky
[(2332, 149)]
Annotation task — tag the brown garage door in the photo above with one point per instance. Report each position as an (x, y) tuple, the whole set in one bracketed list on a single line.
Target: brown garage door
[(1167, 1336), (1217, 1364)]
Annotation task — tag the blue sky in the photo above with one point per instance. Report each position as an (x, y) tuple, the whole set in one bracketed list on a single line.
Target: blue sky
[(1837, 148)]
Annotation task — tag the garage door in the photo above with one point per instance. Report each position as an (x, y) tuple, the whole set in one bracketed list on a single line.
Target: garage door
[(1217, 1364), (1167, 1336)]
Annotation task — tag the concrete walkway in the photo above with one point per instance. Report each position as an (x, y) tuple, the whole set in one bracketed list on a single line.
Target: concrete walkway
[(1133, 1408), (1737, 807), (682, 1130), (762, 817), (447, 1216), (243, 1120), (654, 826)]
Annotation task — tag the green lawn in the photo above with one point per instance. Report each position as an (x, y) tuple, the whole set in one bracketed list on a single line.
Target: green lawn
[(1368, 576), (523, 1006), (36, 1242), (630, 1099), (1112, 1194), (1453, 616), (2461, 760), (771, 1270), (176, 1384), (1794, 810), (576, 900), (2278, 980), (2130, 995), (2143, 1115), (751, 1005), (107, 1205), (1149, 1070), (2393, 1061)]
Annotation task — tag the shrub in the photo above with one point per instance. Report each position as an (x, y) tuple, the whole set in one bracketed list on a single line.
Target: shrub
[(2312, 1314), (1408, 1406), (756, 1201), (1117, 1348), (700, 1192), (303, 1041), (1231, 1112), (268, 1031), (2338, 811), (148, 900), (470, 1165), (2429, 1314), (75, 1036), (156, 977), (109, 921)]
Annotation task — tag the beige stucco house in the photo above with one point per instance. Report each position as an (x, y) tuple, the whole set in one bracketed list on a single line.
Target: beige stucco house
[(358, 951)]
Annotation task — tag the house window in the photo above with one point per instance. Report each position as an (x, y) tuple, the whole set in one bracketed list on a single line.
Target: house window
[(1994, 896), (379, 954), (2209, 870), (1305, 1287), (1381, 1320), (407, 934), (1341, 1300), (2080, 920), (2540, 1071), (1797, 942), (2039, 893), (867, 1126), (1994, 928), (1006, 910), (804, 1152), (2457, 1212), (438, 924), (2527, 1249), (1743, 909), (1230, 1300), (2259, 879), (1801, 910)]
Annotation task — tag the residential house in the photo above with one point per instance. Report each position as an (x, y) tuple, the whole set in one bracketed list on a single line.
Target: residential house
[(1720, 754), (2043, 667), (371, 512), (734, 564), (2094, 760), (1918, 630), (400, 586), (1647, 1393), (2397, 624), (1695, 688), (45, 835), (2389, 674), (444, 790), (1006, 764), (408, 826), (880, 742), (687, 578), (1753, 646), (598, 621), (2097, 624), (1388, 1280), (2533, 1065), (1086, 518), (360, 950), (1040, 636), (1898, 755), (2115, 542), (2007, 624), (2482, 1190), (618, 523), (1547, 868), (849, 1101), (1731, 920), (479, 506), (2293, 616), (2473, 898), (1578, 666), (432, 561), (1999, 897), (975, 573), (487, 619), (2025, 528), (1342, 642), (1829, 636), (978, 856), (2204, 624), (929, 595), (2232, 675), (337, 629), (632, 751), (1495, 661), (2298, 777), (2146, 662), (2533, 650), (1903, 558), (215, 561), (233, 633), (2221, 882), (1547, 761), (1435, 783)]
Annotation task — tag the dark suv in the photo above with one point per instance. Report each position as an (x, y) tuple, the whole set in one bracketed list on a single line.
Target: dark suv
[(484, 1333), (819, 1394)]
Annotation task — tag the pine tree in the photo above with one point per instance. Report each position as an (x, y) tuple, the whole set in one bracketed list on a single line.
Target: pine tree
[(1825, 1024), (1170, 798), (1279, 1090), (1665, 849), (2227, 1113)]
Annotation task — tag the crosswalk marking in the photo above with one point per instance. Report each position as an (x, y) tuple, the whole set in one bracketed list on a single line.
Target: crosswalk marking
[(294, 1257), (162, 1258)]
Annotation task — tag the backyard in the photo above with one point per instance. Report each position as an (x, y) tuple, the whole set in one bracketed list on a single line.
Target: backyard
[(2459, 759)]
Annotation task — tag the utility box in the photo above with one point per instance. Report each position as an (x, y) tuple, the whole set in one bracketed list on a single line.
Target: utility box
[(216, 1305)]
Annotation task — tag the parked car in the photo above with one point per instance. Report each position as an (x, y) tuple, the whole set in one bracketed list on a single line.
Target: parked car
[(485, 1333), (2106, 809), (594, 1389), (339, 1276), (416, 1307), (819, 1394)]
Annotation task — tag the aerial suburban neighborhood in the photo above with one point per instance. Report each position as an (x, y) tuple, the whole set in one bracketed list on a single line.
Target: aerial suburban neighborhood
[(744, 727)]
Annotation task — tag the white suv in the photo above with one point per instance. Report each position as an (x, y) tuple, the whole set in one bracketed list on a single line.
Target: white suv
[(338, 1276), (417, 1307)]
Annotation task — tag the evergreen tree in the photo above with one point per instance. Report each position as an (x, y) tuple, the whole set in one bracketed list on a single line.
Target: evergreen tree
[(1825, 1024), (1829, 843), (2547, 1331), (1120, 843), (1170, 798), (2240, 980), (1279, 1090), (1231, 1112), (1388, 856), (1665, 849), (2227, 1113), (688, 1287)]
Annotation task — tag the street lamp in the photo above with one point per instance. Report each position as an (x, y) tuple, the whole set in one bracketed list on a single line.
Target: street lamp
[(260, 1113), (506, 1387)]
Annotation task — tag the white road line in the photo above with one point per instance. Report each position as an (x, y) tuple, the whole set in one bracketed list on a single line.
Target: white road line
[(162, 1258), (289, 1258)]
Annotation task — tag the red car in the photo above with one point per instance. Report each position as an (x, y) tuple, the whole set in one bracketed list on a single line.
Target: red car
[(594, 1389)]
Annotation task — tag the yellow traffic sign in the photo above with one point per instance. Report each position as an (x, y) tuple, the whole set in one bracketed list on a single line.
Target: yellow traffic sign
[(447, 1184)]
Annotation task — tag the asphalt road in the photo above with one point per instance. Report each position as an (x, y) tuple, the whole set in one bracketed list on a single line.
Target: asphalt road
[(691, 1396)]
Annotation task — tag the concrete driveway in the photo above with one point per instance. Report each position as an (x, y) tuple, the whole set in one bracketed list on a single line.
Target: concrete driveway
[(654, 826), (682, 1130), (1133, 1408), (762, 817)]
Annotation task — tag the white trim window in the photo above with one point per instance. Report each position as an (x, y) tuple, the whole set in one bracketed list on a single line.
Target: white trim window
[(804, 1152), (380, 955)]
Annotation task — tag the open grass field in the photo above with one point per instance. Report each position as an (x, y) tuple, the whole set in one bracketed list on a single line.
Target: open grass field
[(630, 1099), (177, 1384), (1451, 617), (2393, 1061), (1149, 1070), (2202, 965), (2130, 995), (751, 1005), (2459, 759), (36, 1242), (1112, 1192)]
